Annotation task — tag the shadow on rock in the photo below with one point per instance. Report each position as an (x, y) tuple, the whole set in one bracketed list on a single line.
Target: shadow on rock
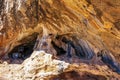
[(73, 75)]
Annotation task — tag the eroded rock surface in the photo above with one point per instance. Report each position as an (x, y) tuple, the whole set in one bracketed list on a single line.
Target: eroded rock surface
[(38, 66), (74, 19), (41, 66), (73, 31)]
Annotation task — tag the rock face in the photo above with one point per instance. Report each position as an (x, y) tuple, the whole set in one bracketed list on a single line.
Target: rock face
[(41, 66), (74, 31), (73, 19), (38, 66)]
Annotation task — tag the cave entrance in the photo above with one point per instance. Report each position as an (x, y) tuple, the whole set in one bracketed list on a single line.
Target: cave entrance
[(21, 52)]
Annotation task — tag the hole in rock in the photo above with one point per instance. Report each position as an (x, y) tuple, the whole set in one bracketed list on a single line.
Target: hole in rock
[(19, 53), (58, 49)]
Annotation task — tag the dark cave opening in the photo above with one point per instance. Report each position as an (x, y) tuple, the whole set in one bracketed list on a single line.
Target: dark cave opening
[(21, 52)]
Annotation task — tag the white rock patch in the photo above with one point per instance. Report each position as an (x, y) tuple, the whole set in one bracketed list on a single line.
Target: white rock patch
[(39, 65)]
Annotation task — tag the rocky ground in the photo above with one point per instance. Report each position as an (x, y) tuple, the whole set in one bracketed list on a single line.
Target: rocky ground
[(42, 66)]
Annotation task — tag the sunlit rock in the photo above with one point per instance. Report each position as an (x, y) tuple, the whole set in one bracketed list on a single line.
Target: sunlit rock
[(38, 65), (43, 63)]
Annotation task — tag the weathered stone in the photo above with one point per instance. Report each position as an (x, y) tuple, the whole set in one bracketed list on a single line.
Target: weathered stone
[(39, 65), (51, 21)]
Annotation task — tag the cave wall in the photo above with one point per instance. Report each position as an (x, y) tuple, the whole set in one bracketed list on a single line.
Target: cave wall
[(74, 19)]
